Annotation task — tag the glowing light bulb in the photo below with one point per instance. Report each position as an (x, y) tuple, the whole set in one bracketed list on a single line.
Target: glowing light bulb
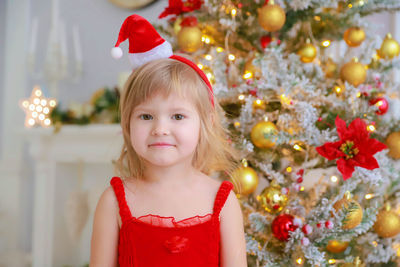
[(326, 43), (369, 196), (299, 261), (247, 75), (297, 147), (371, 128), (208, 57), (334, 178)]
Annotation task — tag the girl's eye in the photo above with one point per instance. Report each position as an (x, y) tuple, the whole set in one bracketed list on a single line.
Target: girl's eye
[(145, 117), (178, 117)]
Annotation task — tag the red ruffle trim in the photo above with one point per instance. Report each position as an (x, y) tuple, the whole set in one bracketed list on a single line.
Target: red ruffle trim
[(161, 221)]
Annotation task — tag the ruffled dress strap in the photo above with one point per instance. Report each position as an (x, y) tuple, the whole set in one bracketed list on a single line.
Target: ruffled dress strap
[(222, 195), (119, 191)]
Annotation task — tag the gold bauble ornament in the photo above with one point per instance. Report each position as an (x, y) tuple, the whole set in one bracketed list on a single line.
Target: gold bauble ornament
[(336, 246), (249, 67), (354, 36), (271, 17), (244, 179), (353, 72), (393, 143), (387, 223), (354, 215), (259, 132), (389, 49), (189, 39), (307, 52), (330, 68), (177, 25), (272, 199)]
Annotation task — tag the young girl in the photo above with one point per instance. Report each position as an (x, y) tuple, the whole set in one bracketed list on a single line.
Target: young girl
[(166, 210)]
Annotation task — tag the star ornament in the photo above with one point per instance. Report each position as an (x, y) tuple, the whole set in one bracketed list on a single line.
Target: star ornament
[(38, 108), (354, 148)]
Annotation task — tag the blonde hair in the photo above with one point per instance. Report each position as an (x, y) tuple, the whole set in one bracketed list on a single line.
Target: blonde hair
[(213, 151)]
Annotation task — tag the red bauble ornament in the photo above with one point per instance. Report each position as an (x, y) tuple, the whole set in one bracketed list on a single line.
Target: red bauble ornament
[(381, 103), (265, 40), (282, 225)]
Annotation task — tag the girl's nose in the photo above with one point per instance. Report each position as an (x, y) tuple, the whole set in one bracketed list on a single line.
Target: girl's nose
[(160, 129)]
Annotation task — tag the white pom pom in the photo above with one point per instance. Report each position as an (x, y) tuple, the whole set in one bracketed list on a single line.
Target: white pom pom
[(116, 52)]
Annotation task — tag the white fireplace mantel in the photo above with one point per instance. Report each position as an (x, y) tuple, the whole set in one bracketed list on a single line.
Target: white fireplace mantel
[(72, 144)]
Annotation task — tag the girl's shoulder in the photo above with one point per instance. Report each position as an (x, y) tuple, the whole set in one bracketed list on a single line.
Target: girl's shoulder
[(208, 183), (108, 200)]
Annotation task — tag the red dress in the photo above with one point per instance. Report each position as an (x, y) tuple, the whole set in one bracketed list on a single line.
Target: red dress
[(154, 241)]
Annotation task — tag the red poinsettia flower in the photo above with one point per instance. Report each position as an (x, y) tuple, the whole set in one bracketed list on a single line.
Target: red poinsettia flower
[(354, 148), (177, 7)]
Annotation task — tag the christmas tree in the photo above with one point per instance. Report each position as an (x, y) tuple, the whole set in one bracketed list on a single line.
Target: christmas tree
[(313, 106)]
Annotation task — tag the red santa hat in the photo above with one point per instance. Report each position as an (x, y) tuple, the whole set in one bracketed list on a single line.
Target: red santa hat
[(145, 45)]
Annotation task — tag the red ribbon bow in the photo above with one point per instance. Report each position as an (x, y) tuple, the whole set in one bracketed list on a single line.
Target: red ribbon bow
[(177, 244)]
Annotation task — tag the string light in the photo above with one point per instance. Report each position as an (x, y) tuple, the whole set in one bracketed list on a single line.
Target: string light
[(206, 39), (369, 196), (233, 12), (289, 169), (299, 261), (337, 89), (326, 43), (219, 49), (285, 99), (241, 97), (302, 188), (201, 66), (374, 243), (359, 94), (350, 5), (331, 261), (208, 57), (371, 128), (297, 147), (247, 75), (236, 124), (334, 178), (231, 57)]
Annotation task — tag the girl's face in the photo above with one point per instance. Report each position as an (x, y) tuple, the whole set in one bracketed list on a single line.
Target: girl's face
[(165, 130)]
